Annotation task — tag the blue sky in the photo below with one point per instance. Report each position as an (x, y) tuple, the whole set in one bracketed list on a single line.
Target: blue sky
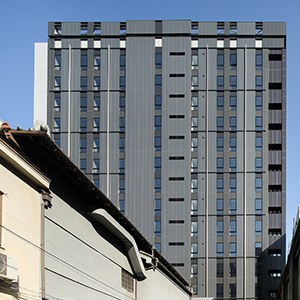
[(22, 23)]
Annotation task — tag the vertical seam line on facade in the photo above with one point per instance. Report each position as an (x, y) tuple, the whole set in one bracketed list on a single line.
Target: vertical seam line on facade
[(245, 164), (206, 237)]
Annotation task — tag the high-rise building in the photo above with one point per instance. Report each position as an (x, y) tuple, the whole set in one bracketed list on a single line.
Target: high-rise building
[(188, 119)]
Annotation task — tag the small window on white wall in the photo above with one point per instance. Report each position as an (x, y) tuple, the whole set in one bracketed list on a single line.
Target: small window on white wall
[(122, 44), (158, 42), (233, 43), (194, 44), (84, 44), (97, 44), (220, 43), (258, 43), (57, 44)]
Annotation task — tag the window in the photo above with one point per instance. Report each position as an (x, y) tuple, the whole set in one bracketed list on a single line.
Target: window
[(194, 270), (275, 273), (258, 123), (258, 249), (258, 164), (220, 185), (232, 144), (220, 164), (121, 186), (96, 124), (194, 144), (233, 61), (232, 208), (122, 206), (220, 82), (194, 82), (232, 228), (56, 103), (83, 83), (158, 60), (219, 290), (83, 28), (96, 104), (157, 143), (220, 267), (220, 103), (194, 250), (258, 184), (157, 206), (220, 123), (232, 102), (258, 206), (220, 206), (97, 62), (258, 82), (232, 185), (157, 185), (232, 269), (158, 83), (157, 122), (232, 290), (194, 61), (96, 165), (83, 62), (122, 103), (96, 182), (258, 227), (96, 145), (233, 82), (57, 84), (232, 164), (122, 124), (122, 144), (157, 228), (258, 102), (122, 62), (194, 206), (56, 125), (157, 102), (158, 247), (194, 164), (97, 83), (157, 164), (83, 165), (122, 83), (194, 185), (83, 104), (57, 62), (194, 228), (220, 61), (122, 165), (83, 124), (57, 141), (194, 123), (258, 143), (83, 145), (258, 61), (219, 249), (220, 142), (219, 228), (194, 103), (232, 249), (232, 121)]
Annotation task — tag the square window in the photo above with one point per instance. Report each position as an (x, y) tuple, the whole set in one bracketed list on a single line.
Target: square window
[(194, 103), (157, 164), (157, 102), (258, 82), (194, 61), (232, 269), (96, 145), (122, 44), (219, 228), (157, 206), (122, 83), (194, 82), (232, 290), (232, 142), (258, 102), (57, 44), (220, 61), (83, 145), (220, 43), (83, 104), (233, 61), (258, 61), (157, 228), (220, 206), (158, 247), (57, 83), (194, 270), (84, 44), (83, 62), (96, 183), (122, 165), (122, 186), (232, 121), (258, 206), (233, 82), (232, 249), (219, 290), (122, 103), (220, 143), (220, 82), (232, 164), (57, 141), (83, 83), (157, 143), (194, 44), (158, 82), (97, 83), (258, 227), (157, 122), (194, 145), (56, 125), (258, 164), (122, 206), (232, 228), (220, 185), (194, 206), (194, 250), (220, 267), (96, 104), (219, 249), (157, 185), (258, 248), (97, 62), (56, 103), (97, 44), (258, 123), (232, 102), (96, 165), (83, 124), (220, 164), (57, 62), (258, 43), (258, 143), (158, 60), (232, 207), (122, 62), (194, 165), (220, 123), (194, 124), (220, 103), (232, 185), (194, 228), (83, 165), (96, 124), (158, 42), (122, 145), (194, 186), (233, 43), (258, 184), (122, 124)]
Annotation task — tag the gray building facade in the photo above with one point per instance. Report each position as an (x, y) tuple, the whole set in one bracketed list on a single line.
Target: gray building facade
[(197, 138)]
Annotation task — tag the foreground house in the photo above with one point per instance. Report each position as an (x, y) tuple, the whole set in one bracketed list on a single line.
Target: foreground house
[(85, 248)]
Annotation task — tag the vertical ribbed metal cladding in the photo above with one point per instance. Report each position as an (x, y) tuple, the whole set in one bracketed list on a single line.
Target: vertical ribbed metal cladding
[(245, 164), (69, 101), (206, 174), (107, 133)]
